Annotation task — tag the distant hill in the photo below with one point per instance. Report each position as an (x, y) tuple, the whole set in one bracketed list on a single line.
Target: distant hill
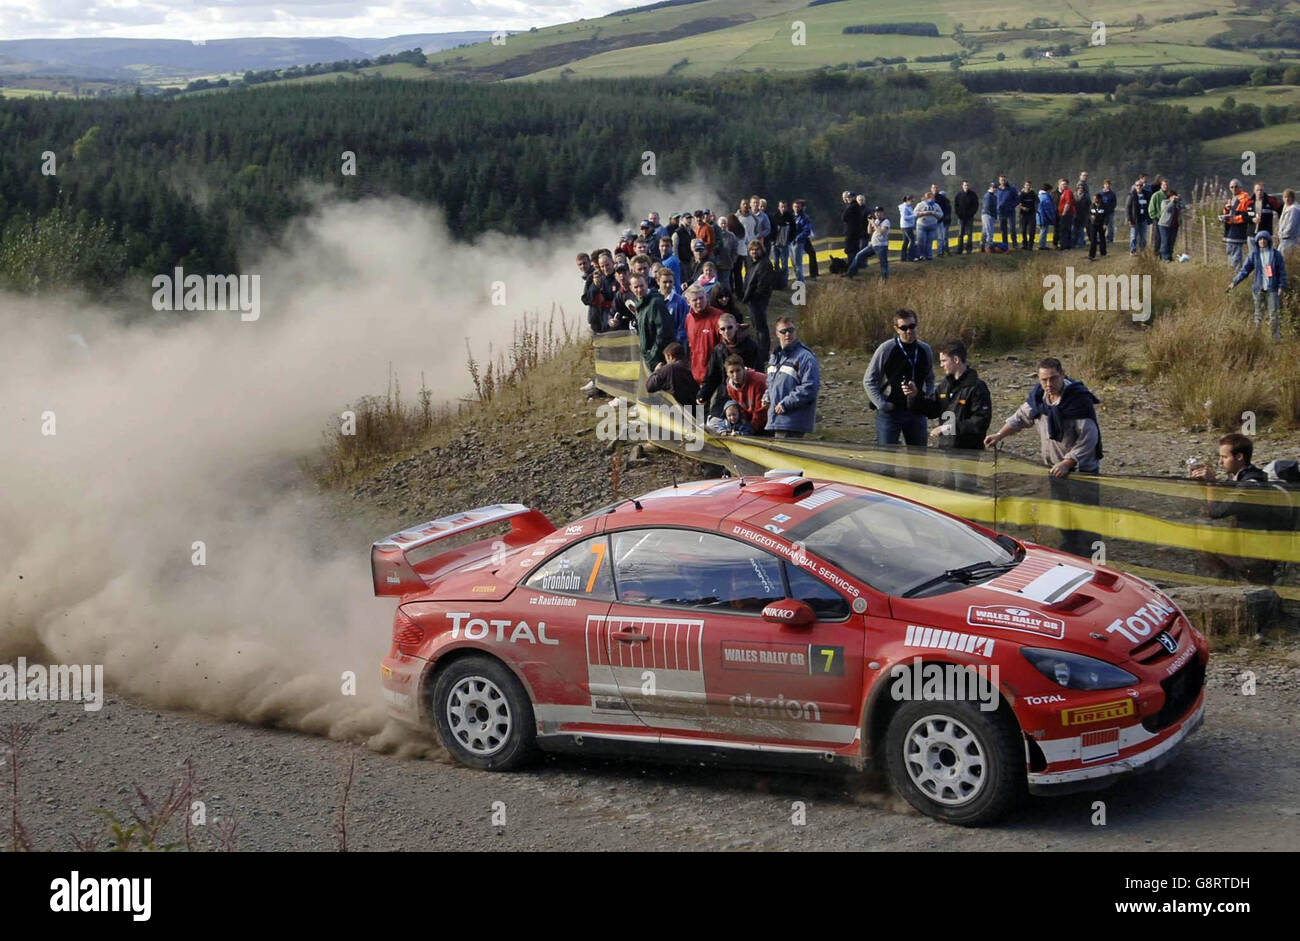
[(699, 38), (158, 58)]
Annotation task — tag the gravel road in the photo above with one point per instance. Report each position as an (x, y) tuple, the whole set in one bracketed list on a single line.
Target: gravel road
[(1235, 787)]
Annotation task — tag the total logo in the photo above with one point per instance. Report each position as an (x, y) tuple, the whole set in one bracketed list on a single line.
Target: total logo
[(479, 629), (1042, 700), (1140, 623)]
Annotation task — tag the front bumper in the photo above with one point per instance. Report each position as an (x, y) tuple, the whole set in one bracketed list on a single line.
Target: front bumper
[(1103, 775)]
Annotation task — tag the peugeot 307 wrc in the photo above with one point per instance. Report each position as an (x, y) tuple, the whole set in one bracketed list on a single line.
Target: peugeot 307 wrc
[(789, 620)]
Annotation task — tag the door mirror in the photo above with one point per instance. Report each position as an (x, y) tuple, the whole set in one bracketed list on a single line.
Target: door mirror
[(791, 612)]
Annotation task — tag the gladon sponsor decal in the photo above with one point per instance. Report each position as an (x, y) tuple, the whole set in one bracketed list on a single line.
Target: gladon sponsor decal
[(1012, 618), (1099, 713), (1141, 622), (778, 708), (948, 640), (482, 628)]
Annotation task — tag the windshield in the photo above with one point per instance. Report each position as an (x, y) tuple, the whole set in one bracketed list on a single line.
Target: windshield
[(894, 545)]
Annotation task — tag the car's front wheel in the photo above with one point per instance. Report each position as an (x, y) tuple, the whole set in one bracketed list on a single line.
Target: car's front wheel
[(955, 763), (483, 714)]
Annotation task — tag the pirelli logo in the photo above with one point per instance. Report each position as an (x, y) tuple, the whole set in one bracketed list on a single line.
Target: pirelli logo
[(1099, 713)]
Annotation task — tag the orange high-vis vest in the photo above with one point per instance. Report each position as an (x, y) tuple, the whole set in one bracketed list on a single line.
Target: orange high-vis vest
[(1237, 207)]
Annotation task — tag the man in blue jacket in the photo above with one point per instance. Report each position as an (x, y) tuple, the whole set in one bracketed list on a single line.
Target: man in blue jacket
[(1008, 200), (988, 218), (1269, 282), (1046, 216), (793, 381)]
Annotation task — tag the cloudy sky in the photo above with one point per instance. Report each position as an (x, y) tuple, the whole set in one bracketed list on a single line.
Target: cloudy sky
[(225, 19)]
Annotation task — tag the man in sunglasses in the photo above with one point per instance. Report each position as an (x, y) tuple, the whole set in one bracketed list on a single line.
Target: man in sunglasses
[(898, 379), (793, 381)]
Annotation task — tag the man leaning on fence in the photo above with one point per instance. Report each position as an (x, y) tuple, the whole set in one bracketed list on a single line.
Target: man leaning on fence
[(1064, 412)]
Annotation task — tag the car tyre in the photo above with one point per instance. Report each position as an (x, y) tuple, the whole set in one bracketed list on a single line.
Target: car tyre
[(955, 763), (483, 715)]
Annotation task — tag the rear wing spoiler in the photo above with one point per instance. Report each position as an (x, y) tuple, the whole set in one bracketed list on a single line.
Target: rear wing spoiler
[(395, 574)]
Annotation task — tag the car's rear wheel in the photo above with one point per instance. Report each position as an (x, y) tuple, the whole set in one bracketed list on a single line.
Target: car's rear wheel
[(483, 714), (955, 763)]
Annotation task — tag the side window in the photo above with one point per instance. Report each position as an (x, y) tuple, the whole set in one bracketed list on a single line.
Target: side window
[(701, 570), (826, 602), (582, 569)]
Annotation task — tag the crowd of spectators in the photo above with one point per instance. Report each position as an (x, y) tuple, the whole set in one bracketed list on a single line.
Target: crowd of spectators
[(696, 290)]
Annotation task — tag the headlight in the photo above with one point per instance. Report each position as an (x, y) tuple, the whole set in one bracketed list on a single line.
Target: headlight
[(1074, 671)]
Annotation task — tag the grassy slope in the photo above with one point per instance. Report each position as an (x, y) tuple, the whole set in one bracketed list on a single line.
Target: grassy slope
[(761, 39), (765, 42)]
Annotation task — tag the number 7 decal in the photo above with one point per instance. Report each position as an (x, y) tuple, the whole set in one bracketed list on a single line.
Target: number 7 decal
[(825, 661), (598, 548)]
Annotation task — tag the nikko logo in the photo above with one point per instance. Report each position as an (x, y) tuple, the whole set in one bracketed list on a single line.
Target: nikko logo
[(480, 628)]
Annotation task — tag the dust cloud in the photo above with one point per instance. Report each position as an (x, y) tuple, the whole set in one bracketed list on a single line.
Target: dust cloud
[(186, 427)]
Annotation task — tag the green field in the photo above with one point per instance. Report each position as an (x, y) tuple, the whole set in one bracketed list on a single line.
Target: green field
[(702, 38), (1032, 108), (393, 70)]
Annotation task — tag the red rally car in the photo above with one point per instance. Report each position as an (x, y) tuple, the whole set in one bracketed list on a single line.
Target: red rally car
[(789, 620)]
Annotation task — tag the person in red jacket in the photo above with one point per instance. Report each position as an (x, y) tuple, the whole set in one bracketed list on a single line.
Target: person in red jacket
[(745, 387), (1065, 215), (701, 330)]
